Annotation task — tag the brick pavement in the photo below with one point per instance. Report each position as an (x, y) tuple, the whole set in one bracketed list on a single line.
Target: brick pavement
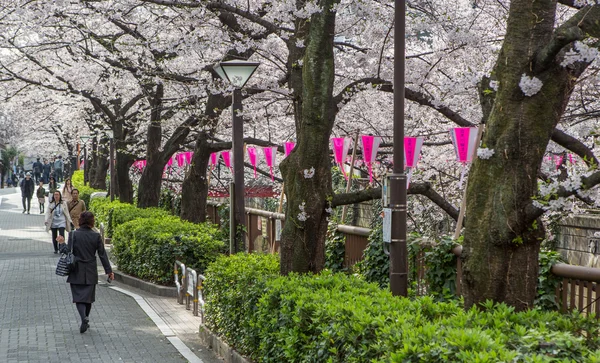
[(39, 323)]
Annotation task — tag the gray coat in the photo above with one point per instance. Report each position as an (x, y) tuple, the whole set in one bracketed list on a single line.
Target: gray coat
[(85, 245)]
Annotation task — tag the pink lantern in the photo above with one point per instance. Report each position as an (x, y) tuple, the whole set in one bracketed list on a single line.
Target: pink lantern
[(226, 158), (464, 140), (288, 147), (214, 159), (370, 146), (341, 145), (180, 159), (270, 155), (571, 159), (412, 152), (558, 160), (252, 157), (188, 157), (170, 162)]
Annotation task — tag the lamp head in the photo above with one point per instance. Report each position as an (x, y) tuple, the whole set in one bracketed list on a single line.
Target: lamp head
[(236, 72)]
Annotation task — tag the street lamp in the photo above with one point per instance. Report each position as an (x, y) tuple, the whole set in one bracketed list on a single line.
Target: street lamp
[(398, 249), (110, 135), (84, 140), (237, 73)]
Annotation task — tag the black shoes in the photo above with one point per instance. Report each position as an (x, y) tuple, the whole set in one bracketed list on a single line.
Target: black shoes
[(24, 211), (55, 252), (84, 325)]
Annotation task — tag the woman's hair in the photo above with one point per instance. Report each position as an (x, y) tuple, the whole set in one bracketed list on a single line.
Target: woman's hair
[(86, 219), (59, 193), (68, 180)]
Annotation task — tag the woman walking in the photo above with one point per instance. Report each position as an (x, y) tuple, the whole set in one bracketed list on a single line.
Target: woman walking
[(67, 190), (57, 218), (52, 187), (76, 207), (85, 243)]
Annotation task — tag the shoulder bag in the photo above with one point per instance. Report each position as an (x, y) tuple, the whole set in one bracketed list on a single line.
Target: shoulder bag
[(67, 262)]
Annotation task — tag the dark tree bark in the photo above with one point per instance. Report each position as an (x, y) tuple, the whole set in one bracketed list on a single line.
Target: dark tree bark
[(501, 244), (195, 187), (98, 164), (303, 241)]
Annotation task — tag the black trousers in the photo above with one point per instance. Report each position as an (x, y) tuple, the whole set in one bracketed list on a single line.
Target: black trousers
[(55, 233), (37, 177), (28, 200)]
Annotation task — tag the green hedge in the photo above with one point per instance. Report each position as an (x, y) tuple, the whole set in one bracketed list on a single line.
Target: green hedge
[(116, 213), (340, 318), (232, 288), (148, 247), (85, 191)]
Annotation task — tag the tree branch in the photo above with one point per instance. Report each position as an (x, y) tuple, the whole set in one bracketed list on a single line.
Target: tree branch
[(424, 189)]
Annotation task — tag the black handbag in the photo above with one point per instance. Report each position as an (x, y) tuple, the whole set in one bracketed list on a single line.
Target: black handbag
[(67, 262)]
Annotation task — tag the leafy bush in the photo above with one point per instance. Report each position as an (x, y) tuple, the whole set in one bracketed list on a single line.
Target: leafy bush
[(115, 213), (440, 272), (85, 191), (232, 288), (547, 281), (340, 318), (335, 249), (148, 247)]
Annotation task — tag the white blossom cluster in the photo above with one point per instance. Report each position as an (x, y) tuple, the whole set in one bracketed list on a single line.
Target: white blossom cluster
[(485, 153), (530, 85), (302, 216), (309, 173), (580, 53)]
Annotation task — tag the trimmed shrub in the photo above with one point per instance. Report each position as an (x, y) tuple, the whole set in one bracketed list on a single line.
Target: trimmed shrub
[(231, 290), (148, 247), (85, 191), (340, 318), (115, 213)]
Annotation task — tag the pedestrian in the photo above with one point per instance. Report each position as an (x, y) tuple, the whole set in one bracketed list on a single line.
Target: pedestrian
[(57, 218), (41, 196), (58, 169), (76, 208), (27, 189), (46, 168), (52, 187), (67, 190), (85, 243), (37, 170)]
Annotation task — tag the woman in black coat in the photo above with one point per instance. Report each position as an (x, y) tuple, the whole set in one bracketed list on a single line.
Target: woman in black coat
[(85, 242)]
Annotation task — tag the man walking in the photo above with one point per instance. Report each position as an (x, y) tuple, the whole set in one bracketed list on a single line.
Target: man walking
[(37, 170), (58, 169), (27, 189), (46, 170)]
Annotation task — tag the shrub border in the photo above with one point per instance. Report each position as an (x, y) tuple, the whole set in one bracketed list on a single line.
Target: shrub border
[(166, 291)]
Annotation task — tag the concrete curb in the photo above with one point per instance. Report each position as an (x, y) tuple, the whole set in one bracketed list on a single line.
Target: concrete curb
[(229, 355), (158, 290)]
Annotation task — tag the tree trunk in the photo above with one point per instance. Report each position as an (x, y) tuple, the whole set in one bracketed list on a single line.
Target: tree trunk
[(99, 165), (124, 161), (502, 238), (194, 191), (303, 237)]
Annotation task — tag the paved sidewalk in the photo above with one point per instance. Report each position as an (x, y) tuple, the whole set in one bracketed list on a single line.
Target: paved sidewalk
[(39, 323)]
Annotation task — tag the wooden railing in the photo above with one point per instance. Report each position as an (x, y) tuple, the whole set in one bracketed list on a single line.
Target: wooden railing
[(578, 289)]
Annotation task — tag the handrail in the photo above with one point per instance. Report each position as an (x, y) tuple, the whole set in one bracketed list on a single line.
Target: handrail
[(191, 290), (565, 270), (180, 285), (359, 231), (200, 295)]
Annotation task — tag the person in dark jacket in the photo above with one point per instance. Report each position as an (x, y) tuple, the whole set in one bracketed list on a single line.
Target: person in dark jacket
[(38, 167), (46, 169), (27, 189), (85, 242)]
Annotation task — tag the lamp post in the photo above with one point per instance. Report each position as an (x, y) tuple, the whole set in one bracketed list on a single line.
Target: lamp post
[(84, 140), (398, 250), (237, 73), (110, 135)]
